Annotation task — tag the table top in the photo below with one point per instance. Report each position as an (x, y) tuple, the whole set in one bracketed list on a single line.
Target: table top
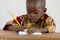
[(45, 36)]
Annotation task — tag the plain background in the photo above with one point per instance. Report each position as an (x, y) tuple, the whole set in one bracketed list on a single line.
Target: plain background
[(19, 8)]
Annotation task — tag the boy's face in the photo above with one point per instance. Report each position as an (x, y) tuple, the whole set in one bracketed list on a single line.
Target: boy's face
[(35, 11)]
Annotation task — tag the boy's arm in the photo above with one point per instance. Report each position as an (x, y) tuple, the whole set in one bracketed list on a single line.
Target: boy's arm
[(50, 26), (12, 25)]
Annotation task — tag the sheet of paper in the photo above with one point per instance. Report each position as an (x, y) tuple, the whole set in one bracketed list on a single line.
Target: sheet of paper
[(36, 33), (24, 33)]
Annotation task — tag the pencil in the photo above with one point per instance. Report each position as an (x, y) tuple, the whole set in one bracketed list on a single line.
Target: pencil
[(11, 14)]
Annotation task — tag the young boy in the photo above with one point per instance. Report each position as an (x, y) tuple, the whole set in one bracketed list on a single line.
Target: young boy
[(34, 20)]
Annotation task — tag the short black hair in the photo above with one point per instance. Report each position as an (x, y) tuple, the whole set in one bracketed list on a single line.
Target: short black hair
[(41, 2)]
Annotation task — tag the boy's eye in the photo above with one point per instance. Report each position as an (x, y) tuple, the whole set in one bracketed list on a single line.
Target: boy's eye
[(29, 12)]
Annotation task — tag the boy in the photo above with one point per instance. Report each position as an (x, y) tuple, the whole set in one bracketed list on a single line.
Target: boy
[(34, 20)]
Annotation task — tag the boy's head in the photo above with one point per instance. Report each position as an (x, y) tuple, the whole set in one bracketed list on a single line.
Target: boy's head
[(35, 9)]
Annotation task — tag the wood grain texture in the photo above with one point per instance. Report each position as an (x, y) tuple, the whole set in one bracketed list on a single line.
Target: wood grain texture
[(10, 35)]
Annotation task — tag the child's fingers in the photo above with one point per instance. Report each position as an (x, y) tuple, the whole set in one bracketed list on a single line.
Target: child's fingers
[(30, 31), (21, 28)]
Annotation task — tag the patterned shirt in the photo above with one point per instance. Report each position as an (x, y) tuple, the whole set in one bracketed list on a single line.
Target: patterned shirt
[(45, 21)]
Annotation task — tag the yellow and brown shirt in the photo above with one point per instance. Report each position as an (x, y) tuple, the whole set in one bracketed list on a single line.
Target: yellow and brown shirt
[(45, 21)]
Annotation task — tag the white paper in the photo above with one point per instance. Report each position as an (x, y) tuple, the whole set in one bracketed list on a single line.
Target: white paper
[(24, 33), (36, 33)]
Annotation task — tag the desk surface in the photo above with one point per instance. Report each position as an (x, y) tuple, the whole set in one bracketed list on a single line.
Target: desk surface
[(10, 35)]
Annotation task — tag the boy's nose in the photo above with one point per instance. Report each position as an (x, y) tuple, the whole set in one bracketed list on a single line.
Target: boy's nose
[(32, 15)]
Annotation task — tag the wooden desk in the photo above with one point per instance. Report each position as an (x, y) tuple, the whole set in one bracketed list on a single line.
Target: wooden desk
[(10, 35)]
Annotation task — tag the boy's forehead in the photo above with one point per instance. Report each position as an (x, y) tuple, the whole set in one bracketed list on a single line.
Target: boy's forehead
[(35, 3)]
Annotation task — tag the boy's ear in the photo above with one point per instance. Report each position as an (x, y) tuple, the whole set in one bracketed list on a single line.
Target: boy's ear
[(45, 9)]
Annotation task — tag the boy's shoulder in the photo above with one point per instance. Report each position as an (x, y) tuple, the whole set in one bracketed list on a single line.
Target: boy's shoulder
[(48, 18), (24, 16), (20, 18)]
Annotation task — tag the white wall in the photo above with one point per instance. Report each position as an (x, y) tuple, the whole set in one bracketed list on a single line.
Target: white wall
[(54, 11), (19, 8)]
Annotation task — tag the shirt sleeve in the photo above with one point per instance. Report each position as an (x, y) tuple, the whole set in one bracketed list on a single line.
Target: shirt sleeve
[(19, 19), (50, 24), (9, 23)]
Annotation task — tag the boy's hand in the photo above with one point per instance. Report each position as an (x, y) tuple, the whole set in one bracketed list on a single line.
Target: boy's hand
[(21, 28), (31, 30), (16, 27)]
